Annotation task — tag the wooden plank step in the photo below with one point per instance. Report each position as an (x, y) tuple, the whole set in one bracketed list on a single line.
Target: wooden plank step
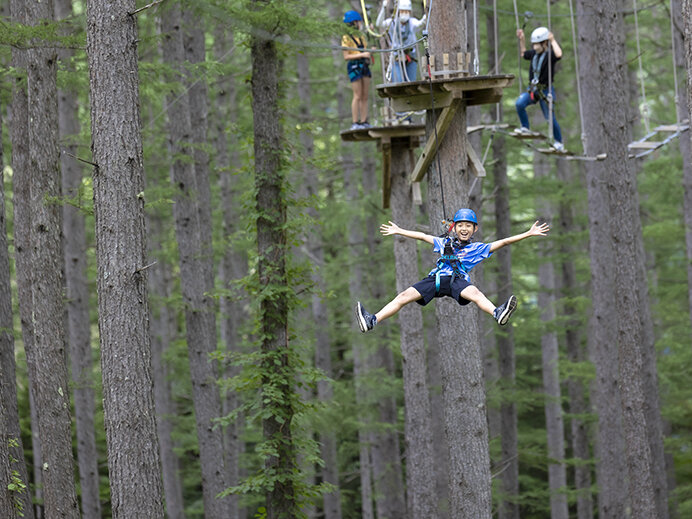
[(671, 128), (644, 145)]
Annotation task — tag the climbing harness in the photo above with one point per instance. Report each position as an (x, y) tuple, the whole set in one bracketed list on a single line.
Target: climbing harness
[(450, 258)]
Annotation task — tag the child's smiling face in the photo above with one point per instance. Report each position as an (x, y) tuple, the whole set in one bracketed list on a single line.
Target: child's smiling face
[(464, 230)]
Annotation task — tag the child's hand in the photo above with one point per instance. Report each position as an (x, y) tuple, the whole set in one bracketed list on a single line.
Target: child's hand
[(539, 229), (389, 229), (520, 34)]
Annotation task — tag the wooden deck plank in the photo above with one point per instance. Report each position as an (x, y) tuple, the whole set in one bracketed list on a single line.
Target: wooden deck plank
[(644, 145)]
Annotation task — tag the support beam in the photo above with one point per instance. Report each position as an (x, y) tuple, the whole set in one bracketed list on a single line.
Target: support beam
[(474, 162), (433, 143), (386, 145)]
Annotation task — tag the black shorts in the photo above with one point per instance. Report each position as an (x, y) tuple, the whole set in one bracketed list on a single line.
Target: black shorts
[(426, 288)]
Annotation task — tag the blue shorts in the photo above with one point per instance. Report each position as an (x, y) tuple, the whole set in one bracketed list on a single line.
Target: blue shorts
[(426, 288), (357, 69)]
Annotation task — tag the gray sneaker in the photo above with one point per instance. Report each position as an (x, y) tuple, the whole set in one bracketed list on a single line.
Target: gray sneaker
[(503, 312), (366, 320)]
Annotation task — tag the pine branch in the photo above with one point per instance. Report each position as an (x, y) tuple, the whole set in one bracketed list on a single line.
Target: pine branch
[(152, 4)]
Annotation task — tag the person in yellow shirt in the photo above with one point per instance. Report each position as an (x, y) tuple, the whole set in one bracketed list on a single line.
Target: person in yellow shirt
[(358, 68)]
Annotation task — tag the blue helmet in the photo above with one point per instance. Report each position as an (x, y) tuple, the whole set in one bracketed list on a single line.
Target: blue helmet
[(352, 16), (465, 215)]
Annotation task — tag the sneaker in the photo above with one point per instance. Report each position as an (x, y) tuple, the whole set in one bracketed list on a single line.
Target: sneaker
[(365, 124), (366, 320), (503, 312), (356, 126), (558, 146), (522, 131)]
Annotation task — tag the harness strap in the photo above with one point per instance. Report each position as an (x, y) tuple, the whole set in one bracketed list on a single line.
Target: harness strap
[(537, 65), (457, 269)]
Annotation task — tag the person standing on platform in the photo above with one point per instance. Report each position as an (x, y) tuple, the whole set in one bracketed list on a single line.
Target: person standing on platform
[(402, 29), (358, 68)]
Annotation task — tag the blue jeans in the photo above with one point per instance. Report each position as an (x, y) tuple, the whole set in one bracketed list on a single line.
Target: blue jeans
[(398, 74), (525, 100)]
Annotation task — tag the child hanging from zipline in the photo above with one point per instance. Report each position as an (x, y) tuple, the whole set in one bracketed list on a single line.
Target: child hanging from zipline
[(358, 69), (543, 55), (451, 275)]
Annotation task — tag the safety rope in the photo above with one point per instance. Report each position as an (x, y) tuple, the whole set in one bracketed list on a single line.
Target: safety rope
[(476, 61), (496, 55), (550, 77), (675, 68), (367, 23), (434, 123), (645, 105), (516, 17), (576, 68)]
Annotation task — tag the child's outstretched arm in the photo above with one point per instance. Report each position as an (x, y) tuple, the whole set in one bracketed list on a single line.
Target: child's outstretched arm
[(536, 230), (388, 229)]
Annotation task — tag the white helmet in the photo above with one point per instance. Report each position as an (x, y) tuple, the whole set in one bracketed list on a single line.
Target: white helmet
[(539, 34), (405, 5)]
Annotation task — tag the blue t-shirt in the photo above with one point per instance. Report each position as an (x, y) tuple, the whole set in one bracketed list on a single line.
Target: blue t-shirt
[(469, 256)]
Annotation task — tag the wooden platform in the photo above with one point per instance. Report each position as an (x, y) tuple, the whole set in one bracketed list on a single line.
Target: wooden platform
[(472, 90), (403, 138), (378, 132)]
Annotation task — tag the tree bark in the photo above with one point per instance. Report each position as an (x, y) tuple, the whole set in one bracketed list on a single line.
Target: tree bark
[(233, 263), (573, 340), (189, 176), (509, 462), (557, 474), (462, 372), (129, 415), (47, 359), (315, 248), (163, 329), (622, 205), (271, 207), (14, 502), (390, 498), (78, 322), (422, 498), (610, 469), (19, 136)]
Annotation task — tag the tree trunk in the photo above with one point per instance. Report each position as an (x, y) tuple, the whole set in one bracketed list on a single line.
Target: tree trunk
[(390, 498), (509, 477), (573, 339), (422, 498), (271, 206), (610, 469), (685, 108), (78, 323), (196, 275), (47, 359), (557, 474), (355, 286), (314, 245), (21, 185), (621, 203), (462, 372), (163, 329), (129, 415), (15, 501), (233, 263)]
